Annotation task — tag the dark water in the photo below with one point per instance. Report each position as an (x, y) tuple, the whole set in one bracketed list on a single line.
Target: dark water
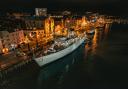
[(100, 64)]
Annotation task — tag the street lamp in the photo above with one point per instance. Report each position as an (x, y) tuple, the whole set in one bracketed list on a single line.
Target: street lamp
[(5, 50)]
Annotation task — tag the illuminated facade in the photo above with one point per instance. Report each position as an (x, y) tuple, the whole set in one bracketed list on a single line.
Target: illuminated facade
[(78, 23), (59, 21), (84, 22), (49, 26), (58, 30), (33, 34), (11, 39)]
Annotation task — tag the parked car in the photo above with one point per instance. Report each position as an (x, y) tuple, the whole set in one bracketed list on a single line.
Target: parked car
[(20, 53)]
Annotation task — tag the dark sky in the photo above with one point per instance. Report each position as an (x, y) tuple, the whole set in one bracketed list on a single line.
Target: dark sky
[(109, 6)]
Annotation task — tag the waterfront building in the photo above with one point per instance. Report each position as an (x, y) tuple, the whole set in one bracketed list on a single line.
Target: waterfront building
[(58, 20), (38, 27), (34, 34), (100, 21), (12, 39), (84, 21), (49, 26)]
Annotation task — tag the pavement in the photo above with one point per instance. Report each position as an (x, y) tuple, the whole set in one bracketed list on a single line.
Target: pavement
[(9, 59)]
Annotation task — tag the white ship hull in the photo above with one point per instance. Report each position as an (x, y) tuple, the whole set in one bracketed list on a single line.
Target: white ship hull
[(41, 61)]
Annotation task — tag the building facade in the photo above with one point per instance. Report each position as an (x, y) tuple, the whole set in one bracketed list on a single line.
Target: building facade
[(49, 26), (34, 33), (10, 40)]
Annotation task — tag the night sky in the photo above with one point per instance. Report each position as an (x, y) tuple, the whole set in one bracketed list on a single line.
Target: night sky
[(108, 6)]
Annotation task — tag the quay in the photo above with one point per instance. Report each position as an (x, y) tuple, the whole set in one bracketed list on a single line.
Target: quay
[(12, 63)]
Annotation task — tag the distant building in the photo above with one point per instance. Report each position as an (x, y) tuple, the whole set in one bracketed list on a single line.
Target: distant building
[(36, 35), (20, 15), (11, 39), (34, 22), (41, 11), (66, 13)]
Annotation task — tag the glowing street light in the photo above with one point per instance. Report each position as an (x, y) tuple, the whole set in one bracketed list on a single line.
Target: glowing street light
[(5, 50), (84, 24)]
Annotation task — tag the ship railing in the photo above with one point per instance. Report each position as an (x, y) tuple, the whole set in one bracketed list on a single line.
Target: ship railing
[(46, 52)]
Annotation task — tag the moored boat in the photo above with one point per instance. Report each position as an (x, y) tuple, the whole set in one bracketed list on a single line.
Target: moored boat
[(55, 55), (100, 25), (91, 31)]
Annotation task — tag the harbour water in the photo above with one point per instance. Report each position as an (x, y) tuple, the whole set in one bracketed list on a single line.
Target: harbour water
[(101, 63)]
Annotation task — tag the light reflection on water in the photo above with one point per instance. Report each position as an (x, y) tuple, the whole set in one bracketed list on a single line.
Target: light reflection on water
[(97, 39), (55, 72), (92, 48)]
